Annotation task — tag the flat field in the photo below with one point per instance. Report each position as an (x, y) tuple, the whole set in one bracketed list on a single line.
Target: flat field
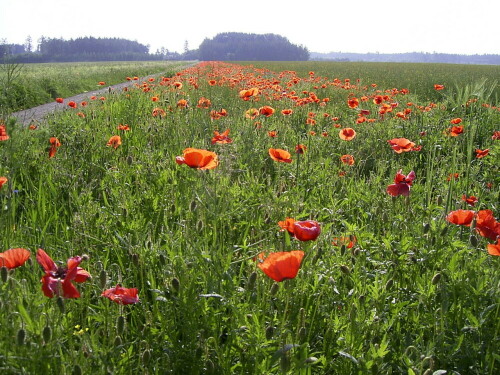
[(264, 218)]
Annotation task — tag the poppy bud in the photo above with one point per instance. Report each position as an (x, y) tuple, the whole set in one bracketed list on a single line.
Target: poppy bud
[(4, 274), (130, 159), (436, 278), (473, 240), (199, 225), (342, 249), (428, 372), (118, 341), (439, 200), (60, 304), (176, 285), (162, 258), (427, 226), (146, 356), (135, 259), (274, 289), (361, 298), (21, 335), (120, 325), (310, 360), (77, 370), (46, 334), (345, 269), (389, 284), (444, 231), (302, 334), (269, 332), (251, 281), (353, 313), (285, 363), (192, 205), (102, 279)]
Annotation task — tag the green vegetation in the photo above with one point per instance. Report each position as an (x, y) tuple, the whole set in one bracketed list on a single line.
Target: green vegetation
[(35, 84), (389, 286)]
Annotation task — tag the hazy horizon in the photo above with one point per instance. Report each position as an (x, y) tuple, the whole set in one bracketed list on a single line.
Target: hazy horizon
[(447, 26)]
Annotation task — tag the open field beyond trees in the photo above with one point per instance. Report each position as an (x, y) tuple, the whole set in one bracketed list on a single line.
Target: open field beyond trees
[(274, 218)]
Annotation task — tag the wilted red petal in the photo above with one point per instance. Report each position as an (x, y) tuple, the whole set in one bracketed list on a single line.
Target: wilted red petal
[(122, 296)]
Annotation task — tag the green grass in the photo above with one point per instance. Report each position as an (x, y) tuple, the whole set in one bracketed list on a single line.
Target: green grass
[(415, 295), (29, 85)]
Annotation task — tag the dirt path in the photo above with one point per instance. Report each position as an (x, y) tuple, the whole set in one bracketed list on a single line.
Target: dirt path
[(40, 113)]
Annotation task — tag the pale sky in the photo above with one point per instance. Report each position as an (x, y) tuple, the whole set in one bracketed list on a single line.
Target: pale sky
[(388, 26)]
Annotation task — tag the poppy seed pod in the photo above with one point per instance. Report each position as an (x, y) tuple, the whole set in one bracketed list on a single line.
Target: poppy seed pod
[(307, 230)]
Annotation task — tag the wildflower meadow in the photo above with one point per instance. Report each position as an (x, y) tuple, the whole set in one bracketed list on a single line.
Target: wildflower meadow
[(275, 218)]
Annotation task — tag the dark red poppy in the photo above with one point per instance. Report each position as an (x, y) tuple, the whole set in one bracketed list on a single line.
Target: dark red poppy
[(282, 266), (401, 184), (14, 258), (307, 230), (122, 296), (471, 201), (58, 281)]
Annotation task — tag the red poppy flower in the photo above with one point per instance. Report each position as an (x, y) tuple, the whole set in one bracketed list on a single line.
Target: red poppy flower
[(286, 112), (3, 180), (347, 134), (300, 148), (182, 103), (73, 104), (307, 230), (287, 225), (178, 85), (266, 111), (122, 296), (272, 133), (461, 217), (3, 133), (204, 103), (251, 113), (159, 112), (59, 100), (401, 184), (471, 201), (280, 155), (348, 241), (486, 224), (114, 141), (58, 281), (353, 102), (221, 137), (102, 83), (282, 266), (456, 121), (482, 153), (54, 144), (438, 87), (496, 135), (197, 158), (14, 258), (400, 145), (347, 159), (123, 127), (454, 131), (247, 94), (494, 249)]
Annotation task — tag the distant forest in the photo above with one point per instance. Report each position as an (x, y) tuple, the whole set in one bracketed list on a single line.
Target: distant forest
[(223, 47), (416, 57), (251, 47)]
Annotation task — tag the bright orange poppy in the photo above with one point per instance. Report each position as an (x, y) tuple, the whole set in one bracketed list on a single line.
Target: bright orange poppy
[(54, 144), (482, 153), (438, 87), (59, 100), (400, 145), (3, 133), (347, 159), (114, 141), (204, 103), (73, 104), (221, 137), (182, 103), (353, 102), (286, 112), (455, 131), (212, 82), (347, 134), (272, 133), (287, 225), (456, 121), (247, 94), (14, 258), (178, 85), (3, 180), (198, 158), (494, 249), (123, 127), (282, 266), (461, 217), (251, 113), (280, 155)]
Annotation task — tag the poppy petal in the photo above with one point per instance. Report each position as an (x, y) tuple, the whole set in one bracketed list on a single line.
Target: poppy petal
[(45, 261), (14, 258)]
